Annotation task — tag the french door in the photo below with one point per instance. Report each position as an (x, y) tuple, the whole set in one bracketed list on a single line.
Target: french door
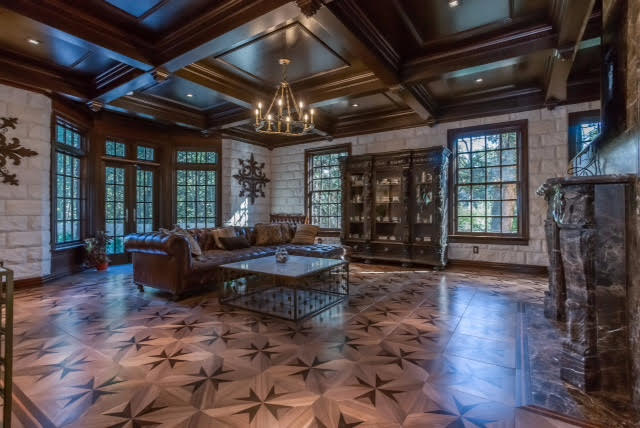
[(129, 205)]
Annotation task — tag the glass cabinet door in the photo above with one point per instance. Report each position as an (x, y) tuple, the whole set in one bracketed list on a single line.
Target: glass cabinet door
[(388, 208), (356, 218), (424, 194)]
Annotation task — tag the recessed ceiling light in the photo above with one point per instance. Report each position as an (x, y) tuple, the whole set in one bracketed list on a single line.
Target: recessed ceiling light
[(130, 93), (454, 3), (190, 95), (35, 42), (355, 105), (479, 80)]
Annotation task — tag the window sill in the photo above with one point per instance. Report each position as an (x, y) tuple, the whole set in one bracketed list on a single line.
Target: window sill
[(498, 240), (67, 246)]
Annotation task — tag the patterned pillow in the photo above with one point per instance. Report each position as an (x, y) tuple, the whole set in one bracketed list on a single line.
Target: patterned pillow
[(288, 230), (193, 244), (227, 232), (268, 234), (305, 234)]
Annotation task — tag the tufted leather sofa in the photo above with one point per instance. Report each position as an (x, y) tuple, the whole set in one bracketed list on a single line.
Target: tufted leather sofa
[(165, 261)]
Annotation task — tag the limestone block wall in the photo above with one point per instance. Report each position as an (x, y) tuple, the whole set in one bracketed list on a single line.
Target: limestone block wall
[(548, 152), (236, 210), (24, 210)]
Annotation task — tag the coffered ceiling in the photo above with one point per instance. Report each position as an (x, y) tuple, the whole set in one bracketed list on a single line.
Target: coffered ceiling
[(365, 65)]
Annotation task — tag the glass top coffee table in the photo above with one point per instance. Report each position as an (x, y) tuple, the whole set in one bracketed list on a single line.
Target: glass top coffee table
[(297, 289)]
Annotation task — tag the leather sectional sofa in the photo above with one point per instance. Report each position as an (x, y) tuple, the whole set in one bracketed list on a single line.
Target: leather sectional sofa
[(164, 261)]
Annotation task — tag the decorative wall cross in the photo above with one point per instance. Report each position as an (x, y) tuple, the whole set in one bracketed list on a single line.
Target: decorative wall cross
[(10, 151), (251, 178)]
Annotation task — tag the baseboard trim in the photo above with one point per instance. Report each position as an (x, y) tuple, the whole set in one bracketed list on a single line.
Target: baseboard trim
[(504, 267), (558, 416), (41, 280)]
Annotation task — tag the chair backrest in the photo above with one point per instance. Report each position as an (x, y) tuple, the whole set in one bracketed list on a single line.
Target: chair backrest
[(289, 218)]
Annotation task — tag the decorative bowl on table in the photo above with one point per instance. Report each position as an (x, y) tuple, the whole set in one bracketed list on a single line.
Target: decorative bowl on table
[(281, 255)]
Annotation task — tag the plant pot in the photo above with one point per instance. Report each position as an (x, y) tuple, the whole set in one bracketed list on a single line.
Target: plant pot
[(102, 266)]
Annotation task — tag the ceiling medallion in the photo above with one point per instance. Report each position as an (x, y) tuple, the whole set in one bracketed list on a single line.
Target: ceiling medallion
[(284, 116)]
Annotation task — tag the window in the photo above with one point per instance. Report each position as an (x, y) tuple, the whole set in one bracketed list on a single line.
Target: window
[(584, 127), (67, 198), (324, 186), (489, 183), (146, 154), (116, 149), (196, 189)]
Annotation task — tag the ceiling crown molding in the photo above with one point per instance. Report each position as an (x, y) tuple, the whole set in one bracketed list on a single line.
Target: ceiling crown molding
[(309, 7), (95, 106)]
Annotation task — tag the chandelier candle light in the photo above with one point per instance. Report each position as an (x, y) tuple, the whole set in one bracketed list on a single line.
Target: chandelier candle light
[(289, 119)]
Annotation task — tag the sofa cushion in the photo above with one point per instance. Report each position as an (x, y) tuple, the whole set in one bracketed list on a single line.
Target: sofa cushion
[(234, 243), (193, 244), (305, 234), (248, 232), (227, 232), (205, 237), (268, 234)]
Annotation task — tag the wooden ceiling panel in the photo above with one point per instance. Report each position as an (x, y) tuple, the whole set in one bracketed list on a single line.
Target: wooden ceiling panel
[(135, 8), (171, 13), (501, 75), (259, 58), (357, 105), (435, 19), (178, 90)]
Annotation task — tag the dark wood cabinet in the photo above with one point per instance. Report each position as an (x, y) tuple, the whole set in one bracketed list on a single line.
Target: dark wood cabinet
[(395, 206)]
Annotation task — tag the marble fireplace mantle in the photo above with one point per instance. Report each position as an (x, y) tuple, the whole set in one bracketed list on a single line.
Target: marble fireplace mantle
[(589, 235)]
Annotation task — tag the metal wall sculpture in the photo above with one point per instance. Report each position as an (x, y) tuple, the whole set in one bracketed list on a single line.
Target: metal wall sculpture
[(11, 150), (251, 178)]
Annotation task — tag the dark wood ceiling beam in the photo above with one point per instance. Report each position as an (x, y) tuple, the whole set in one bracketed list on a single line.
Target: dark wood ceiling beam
[(225, 24), (26, 72), (76, 26), (348, 86), (346, 19), (228, 116), (161, 110), (570, 17), (514, 43)]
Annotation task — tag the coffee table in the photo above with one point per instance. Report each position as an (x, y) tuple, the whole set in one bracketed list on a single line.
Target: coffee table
[(295, 290)]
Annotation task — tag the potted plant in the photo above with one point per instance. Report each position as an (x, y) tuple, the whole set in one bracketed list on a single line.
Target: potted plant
[(96, 250)]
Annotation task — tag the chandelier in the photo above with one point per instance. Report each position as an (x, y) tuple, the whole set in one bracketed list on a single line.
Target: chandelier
[(284, 116)]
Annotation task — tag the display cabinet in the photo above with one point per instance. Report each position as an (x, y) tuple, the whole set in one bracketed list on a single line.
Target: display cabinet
[(395, 206)]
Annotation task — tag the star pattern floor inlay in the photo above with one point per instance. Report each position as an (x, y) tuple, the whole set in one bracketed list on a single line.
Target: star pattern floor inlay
[(409, 348)]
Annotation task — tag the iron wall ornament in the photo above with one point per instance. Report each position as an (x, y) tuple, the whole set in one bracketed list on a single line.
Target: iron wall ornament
[(11, 151), (251, 178)]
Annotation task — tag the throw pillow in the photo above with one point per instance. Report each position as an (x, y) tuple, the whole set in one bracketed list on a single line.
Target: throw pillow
[(227, 232), (305, 234), (288, 230), (193, 244), (268, 234), (234, 243)]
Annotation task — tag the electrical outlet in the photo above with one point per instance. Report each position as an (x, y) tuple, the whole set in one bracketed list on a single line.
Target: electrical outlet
[(476, 250)]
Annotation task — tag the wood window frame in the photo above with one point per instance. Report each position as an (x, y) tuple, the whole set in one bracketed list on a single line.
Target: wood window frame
[(575, 119), (308, 155), (522, 238), (80, 153), (217, 167), (132, 164)]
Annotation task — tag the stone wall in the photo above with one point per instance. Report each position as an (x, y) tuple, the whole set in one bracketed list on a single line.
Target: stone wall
[(236, 210), (548, 136), (24, 210)]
